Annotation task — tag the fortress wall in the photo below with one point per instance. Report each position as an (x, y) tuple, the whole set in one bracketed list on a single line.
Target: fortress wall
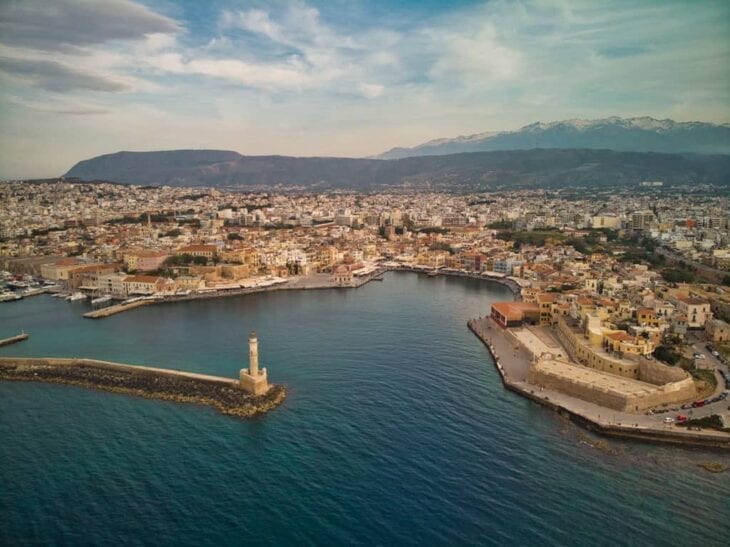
[(570, 386), (582, 352), (676, 392), (660, 374)]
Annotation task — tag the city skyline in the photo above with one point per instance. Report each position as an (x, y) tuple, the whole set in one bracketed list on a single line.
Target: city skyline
[(339, 79)]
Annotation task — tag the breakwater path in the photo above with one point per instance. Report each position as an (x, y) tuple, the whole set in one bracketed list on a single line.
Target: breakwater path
[(13, 339), (153, 383), (512, 361)]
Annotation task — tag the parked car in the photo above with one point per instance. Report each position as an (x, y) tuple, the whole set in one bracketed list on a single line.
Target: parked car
[(698, 404), (668, 420), (681, 418)]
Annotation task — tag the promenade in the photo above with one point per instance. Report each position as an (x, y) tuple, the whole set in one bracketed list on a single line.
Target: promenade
[(309, 282), (512, 361)]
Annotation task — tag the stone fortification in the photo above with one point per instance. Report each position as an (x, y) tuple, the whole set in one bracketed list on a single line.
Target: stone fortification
[(609, 390)]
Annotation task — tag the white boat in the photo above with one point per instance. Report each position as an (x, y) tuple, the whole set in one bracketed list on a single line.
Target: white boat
[(101, 300), (76, 296), (9, 296)]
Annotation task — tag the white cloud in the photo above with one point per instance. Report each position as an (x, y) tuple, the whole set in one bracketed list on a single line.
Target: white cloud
[(371, 91)]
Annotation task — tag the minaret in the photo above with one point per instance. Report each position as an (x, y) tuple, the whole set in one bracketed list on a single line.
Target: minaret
[(252, 379)]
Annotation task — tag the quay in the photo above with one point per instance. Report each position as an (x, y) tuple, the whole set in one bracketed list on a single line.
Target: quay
[(14, 339), (512, 361), (317, 281), (509, 282), (230, 396)]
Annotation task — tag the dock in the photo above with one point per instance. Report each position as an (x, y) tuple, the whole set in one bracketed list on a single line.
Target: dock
[(14, 339), (117, 308)]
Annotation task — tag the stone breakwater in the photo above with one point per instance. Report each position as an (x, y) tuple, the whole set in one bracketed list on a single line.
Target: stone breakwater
[(224, 394)]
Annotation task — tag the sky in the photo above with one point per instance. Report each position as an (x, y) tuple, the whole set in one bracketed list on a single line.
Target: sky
[(81, 78)]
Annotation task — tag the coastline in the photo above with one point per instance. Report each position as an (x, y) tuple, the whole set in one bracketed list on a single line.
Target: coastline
[(298, 284), (590, 422), (223, 394)]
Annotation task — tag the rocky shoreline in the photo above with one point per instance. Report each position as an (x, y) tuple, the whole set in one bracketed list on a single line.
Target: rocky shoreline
[(226, 397)]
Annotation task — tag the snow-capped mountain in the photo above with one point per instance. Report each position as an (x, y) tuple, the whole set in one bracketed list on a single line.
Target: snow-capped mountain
[(642, 134)]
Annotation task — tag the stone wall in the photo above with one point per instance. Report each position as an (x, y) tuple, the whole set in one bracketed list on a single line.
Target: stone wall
[(540, 374), (659, 374), (581, 351), (580, 390)]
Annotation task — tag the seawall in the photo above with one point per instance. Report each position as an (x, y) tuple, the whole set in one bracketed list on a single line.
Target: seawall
[(590, 421), (222, 393), (507, 282)]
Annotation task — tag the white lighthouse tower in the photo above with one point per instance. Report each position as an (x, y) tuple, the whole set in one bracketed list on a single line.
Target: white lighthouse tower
[(252, 379)]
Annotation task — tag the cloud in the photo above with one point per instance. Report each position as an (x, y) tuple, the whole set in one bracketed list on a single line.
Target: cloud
[(371, 91), (289, 75), (73, 24), (58, 77)]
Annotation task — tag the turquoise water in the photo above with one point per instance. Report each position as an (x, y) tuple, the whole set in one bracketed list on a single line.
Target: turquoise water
[(396, 430)]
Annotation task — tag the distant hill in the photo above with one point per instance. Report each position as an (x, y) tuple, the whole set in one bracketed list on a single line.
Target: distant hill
[(518, 168), (632, 134)]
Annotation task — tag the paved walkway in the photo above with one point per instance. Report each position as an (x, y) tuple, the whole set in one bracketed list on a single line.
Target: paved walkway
[(509, 353)]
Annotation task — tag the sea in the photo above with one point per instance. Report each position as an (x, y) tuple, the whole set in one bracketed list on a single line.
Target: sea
[(396, 431)]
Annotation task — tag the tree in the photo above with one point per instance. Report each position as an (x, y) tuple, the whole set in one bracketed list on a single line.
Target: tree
[(667, 354)]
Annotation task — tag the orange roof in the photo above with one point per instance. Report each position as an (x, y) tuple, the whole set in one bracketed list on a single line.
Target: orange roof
[(93, 268), (515, 310)]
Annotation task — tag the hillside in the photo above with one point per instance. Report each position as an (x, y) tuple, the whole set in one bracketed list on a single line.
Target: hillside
[(518, 168), (624, 134)]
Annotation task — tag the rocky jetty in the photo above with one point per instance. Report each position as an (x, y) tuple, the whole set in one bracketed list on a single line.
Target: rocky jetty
[(225, 395)]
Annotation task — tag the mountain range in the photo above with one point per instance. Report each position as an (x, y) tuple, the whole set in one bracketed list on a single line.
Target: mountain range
[(643, 134), (454, 172)]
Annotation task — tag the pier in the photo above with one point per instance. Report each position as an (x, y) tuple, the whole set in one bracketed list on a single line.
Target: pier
[(14, 339), (117, 308)]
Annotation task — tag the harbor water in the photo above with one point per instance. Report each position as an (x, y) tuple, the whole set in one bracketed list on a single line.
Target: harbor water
[(396, 430)]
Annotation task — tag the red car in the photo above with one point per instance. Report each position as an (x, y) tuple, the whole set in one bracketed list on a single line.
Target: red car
[(698, 404), (681, 418)]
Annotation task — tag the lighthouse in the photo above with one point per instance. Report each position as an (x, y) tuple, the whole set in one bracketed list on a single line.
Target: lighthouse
[(252, 379)]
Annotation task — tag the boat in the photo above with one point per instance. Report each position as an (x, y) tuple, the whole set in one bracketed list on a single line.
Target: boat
[(76, 296), (14, 284), (10, 296), (101, 300)]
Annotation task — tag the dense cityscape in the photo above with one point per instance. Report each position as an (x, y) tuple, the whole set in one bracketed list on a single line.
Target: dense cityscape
[(364, 272)]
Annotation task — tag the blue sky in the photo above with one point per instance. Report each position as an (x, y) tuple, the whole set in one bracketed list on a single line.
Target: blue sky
[(343, 78)]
